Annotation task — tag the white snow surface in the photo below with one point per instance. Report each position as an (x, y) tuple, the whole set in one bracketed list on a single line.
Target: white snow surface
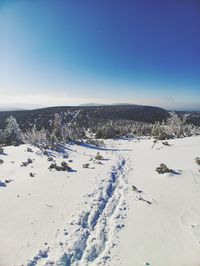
[(116, 212)]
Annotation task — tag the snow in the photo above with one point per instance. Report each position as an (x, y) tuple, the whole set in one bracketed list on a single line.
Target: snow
[(118, 211)]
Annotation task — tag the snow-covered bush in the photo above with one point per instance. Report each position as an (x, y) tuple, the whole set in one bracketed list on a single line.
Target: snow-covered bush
[(35, 137), (159, 131), (162, 134), (174, 127), (190, 130)]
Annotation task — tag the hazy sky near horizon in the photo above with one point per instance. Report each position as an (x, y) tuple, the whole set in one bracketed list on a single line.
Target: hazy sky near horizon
[(102, 51)]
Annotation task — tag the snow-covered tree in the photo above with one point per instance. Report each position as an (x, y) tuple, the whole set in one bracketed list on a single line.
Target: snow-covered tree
[(57, 124), (12, 131), (64, 131), (189, 130), (175, 124), (2, 137)]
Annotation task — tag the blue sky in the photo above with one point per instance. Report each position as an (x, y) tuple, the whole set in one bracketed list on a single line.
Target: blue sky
[(105, 51)]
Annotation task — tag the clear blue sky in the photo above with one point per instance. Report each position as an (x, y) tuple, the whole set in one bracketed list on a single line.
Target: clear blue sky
[(73, 51)]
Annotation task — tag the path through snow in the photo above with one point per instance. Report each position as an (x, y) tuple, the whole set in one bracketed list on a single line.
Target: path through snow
[(90, 236)]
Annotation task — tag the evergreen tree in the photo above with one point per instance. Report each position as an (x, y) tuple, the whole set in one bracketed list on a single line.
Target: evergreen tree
[(12, 131)]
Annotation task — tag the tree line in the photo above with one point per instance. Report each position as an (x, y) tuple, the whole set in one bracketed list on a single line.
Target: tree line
[(61, 132)]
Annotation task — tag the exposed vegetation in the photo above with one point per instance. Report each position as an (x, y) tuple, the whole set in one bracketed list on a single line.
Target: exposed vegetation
[(1, 150), (63, 167), (162, 169), (197, 160), (99, 156)]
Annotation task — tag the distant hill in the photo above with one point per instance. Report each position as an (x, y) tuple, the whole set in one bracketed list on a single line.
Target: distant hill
[(17, 107), (193, 117), (85, 114), (91, 104), (3, 109)]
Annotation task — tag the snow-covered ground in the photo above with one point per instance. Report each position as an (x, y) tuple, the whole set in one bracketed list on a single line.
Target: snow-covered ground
[(119, 211)]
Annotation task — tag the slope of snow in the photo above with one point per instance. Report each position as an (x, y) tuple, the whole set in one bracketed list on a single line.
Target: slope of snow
[(166, 232), (119, 211)]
